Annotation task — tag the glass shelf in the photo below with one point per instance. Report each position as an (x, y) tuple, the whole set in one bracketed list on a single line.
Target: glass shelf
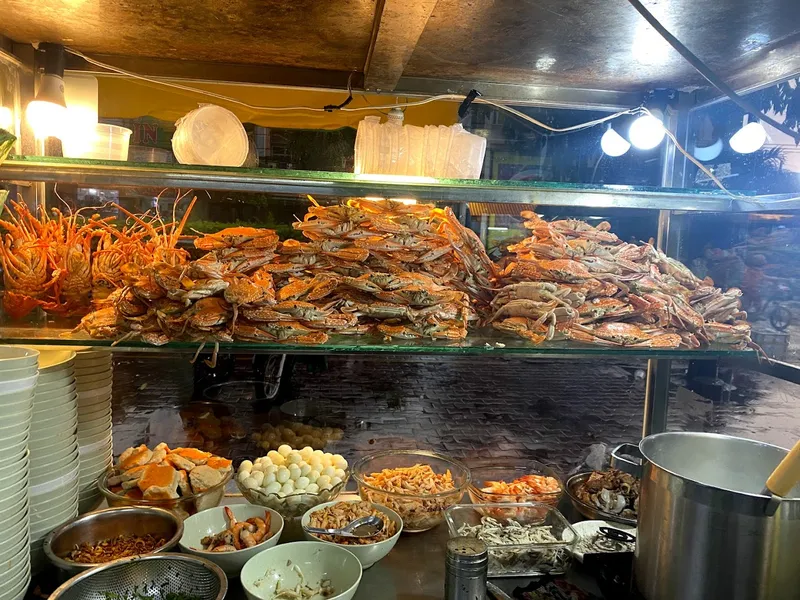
[(480, 342), (95, 173)]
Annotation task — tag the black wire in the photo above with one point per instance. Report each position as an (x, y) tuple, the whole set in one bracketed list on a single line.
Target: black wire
[(348, 100), (712, 77)]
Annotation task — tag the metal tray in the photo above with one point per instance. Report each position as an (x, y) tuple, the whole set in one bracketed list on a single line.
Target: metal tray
[(587, 510)]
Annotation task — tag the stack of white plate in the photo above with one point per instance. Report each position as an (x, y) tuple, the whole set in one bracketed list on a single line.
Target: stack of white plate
[(18, 372), (53, 450), (93, 373)]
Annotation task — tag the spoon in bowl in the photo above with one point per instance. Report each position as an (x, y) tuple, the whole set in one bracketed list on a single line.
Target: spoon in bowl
[(362, 527)]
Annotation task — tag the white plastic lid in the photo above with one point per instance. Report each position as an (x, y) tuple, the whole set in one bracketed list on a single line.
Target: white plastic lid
[(210, 135)]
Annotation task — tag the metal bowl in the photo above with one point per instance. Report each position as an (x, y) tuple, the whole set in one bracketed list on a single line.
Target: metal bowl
[(153, 576), (109, 523), (587, 510)]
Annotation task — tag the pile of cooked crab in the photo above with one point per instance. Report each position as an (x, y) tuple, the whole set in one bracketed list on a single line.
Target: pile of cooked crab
[(571, 280), (398, 270)]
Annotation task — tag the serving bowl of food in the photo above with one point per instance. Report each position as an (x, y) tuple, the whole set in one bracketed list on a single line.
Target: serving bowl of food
[(291, 481), (609, 495), (337, 514), (167, 576), (302, 570), (184, 480), (517, 547), (231, 535), (106, 535), (416, 484), (529, 481)]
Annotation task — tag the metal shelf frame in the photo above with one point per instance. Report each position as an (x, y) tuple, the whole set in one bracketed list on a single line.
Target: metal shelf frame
[(91, 173)]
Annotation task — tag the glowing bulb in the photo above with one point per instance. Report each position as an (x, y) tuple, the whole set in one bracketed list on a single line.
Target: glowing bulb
[(707, 153), (45, 118), (749, 138), (646, 132), (6, 118), (613, 143)]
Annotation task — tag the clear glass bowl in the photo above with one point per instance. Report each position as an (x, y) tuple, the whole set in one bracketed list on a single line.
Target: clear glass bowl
[(520, 560), (183, 507), (419, 512), (509, 473), (295, 505)]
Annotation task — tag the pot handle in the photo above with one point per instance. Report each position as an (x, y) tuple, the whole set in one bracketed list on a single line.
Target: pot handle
[(786, 474), (632, 467)]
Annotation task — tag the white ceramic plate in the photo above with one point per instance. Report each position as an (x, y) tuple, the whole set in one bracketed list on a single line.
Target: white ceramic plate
[(65, 421), (20, 419), (15, 386), (51, 386), (93, 382), (17, 357), (52, 359), (87, 416), (84, 395), (93, 428), (14, 374), (12, 445), (60, 431), (85, 439), (68, 389)]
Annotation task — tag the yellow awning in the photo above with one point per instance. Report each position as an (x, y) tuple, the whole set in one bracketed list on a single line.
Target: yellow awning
[(122, 98)]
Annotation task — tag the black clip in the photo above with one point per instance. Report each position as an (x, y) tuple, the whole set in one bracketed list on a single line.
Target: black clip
[(462, 110), (617, 535)]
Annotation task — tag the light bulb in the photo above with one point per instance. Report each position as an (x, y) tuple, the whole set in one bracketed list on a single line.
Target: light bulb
[(47, 113), (646, 132), (613, 143), (45, 118), (707, 153), (749, 138), (6, 118)]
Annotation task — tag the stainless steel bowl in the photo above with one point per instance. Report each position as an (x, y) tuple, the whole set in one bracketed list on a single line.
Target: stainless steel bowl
[(587, 510), (153, 576), (109, 523)]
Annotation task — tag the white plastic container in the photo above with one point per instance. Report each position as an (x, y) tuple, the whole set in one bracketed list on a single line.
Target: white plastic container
[(210, 135), (105, 142)]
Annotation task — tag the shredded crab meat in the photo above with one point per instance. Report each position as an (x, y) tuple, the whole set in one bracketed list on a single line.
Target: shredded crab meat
[(343, 513)]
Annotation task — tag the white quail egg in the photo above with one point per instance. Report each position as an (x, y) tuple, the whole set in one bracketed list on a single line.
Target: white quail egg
[(339, 473), (273, 488), (294, 472), (313, 475), (329, 471), (307, 452), (335, 481), (288, 487), (283, 475), (275, 457), (301, 483), (305, 469), (284, 450), (246, 466), (312, 488), (294, 458), (250, 483), (324, 482), (242, 476), (268, 478), (258, 476)]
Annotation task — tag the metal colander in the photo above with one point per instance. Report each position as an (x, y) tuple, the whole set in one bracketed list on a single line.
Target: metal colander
[(153, 576)]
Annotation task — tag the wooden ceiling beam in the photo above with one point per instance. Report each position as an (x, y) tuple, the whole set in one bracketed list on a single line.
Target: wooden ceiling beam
[(397, 28)]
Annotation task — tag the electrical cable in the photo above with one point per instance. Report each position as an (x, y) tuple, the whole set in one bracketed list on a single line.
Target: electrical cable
[(631, 111), (708, 74)]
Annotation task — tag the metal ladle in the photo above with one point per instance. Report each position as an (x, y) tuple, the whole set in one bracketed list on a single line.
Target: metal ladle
[(362, 527)]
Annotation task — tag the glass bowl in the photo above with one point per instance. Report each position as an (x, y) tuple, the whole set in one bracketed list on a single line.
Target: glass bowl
[(419, 512), (182, 507), (507, 474), (292, 506)]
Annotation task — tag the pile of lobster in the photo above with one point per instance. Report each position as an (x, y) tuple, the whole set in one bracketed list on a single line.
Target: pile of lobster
[(573, 281)]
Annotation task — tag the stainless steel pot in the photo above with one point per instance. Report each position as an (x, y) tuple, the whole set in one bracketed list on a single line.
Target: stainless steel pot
[(705, 529)]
